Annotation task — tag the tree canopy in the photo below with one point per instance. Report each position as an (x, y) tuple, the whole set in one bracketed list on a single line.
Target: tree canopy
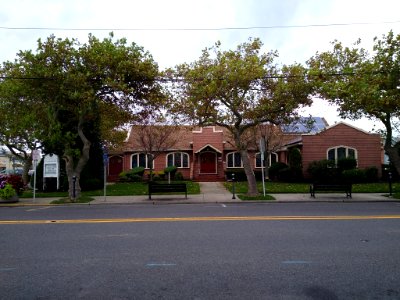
[(363, 84), (66, 85), (239, 89)]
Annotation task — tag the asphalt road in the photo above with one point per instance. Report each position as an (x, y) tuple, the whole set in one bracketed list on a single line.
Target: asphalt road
[(238, 251)]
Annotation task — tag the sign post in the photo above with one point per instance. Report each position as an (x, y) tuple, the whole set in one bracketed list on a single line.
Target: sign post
[(105, 163), (35, 158), (262, 151)]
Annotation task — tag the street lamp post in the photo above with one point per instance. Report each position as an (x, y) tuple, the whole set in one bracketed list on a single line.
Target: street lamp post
[(233, 186), (74, 187)]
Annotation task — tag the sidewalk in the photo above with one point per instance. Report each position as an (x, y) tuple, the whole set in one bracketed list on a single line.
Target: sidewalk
[(214, 192)]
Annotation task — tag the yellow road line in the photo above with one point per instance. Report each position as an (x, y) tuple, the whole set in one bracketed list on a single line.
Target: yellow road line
[(196, 219)]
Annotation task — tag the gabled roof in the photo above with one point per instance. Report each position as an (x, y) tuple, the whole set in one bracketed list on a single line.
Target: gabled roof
[(348, 125), (299, 139), (208, 146), (182, 134)]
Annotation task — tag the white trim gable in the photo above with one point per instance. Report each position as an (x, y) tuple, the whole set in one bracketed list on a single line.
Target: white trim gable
[(208, 145)]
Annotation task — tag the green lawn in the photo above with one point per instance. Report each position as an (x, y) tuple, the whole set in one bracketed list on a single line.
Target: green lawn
[(117, 189), (140, 188), (301, 188)]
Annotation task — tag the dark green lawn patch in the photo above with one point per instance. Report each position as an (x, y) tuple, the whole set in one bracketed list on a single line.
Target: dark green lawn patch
[(255, 198), (304, 188), (271, 187), (121, 189), (66, 200), (396, 196), (379, 187), (137, 188), (29, 194), (116, 189)]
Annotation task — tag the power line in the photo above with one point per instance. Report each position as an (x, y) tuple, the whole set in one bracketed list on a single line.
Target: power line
[(200, 29)]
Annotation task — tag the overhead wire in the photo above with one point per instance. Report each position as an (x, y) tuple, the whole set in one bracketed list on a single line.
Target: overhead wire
[(199, 29)]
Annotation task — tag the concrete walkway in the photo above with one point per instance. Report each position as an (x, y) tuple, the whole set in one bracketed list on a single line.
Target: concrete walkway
[(215, 192)]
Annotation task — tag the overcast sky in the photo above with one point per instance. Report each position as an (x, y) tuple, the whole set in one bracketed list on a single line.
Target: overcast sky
[(287, 21)]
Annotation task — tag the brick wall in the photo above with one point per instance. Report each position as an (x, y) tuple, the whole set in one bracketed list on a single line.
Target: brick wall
[(208, 136), (368, 146)]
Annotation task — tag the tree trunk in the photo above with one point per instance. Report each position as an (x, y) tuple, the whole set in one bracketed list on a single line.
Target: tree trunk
[(251, 178), (27, 167), (74, 171), (394, 157), (391, 151)]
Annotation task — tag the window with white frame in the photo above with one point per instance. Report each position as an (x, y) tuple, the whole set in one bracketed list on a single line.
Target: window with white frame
[(178, 159), (273, 158), (141, 160), (234, 160), (340, 152)]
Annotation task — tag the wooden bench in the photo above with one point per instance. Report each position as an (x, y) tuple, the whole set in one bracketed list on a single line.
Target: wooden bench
[(326, 187), (167, 188)]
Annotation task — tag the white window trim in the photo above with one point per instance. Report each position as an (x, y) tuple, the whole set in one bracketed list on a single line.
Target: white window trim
[(173, 153), (269, 161), (232, 153), (347, 152), (137, 155)]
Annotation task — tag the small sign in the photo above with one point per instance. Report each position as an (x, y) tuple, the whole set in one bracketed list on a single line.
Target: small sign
[(36, 155), (262, 145)]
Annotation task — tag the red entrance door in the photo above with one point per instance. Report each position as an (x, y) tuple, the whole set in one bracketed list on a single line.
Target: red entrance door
[(208, 163), (115, 167)]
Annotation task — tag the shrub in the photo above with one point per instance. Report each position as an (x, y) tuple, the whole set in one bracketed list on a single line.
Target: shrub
[(354, 176), (285, 174), (7, 191), (371, 174), (136, 171), (92, 184), (16, 182), (133, 175), (346, 163), (323, 170), (274, 169), (239, 174), (295, 159), (135, 178), (171, 170), (178, 176)]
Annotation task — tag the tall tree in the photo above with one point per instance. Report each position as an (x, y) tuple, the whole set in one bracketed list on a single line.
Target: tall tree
[(363, 84), (18, 124), (72, 83), (239, 89)]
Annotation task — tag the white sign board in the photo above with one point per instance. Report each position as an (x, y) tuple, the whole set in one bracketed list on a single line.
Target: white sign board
[(51, 166)]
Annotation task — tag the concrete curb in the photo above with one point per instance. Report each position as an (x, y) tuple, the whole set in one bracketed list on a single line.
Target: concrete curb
[(210, 199)]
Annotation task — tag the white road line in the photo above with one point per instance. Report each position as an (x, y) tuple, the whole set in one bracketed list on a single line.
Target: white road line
[(40, 208), (223, 205)]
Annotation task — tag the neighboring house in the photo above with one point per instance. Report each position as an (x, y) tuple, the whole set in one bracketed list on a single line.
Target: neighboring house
[(6, 162), (208, 153), (340, 141)]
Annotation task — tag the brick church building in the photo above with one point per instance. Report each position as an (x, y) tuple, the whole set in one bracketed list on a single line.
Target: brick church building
[(208, 153)]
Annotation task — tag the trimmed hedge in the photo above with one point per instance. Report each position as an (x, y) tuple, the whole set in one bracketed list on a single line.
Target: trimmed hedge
[(133, 175)]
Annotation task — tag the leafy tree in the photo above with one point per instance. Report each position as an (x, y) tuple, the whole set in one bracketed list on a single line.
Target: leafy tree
[(239, 89), (18, 125), (363, 84), (68, 84)]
